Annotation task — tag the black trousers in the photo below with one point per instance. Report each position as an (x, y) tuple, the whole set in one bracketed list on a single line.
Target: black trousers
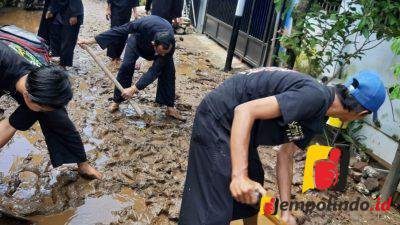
[(44, 31), (63, 40), (50, 32), (206, 197), (118, 17), (166, 80), (62, 138)]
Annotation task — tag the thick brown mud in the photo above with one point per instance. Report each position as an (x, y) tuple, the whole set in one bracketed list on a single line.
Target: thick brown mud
[(143, 160)]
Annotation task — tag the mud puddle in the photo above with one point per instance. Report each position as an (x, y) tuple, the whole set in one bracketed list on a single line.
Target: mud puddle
[(14, 152), (88, 131), (101, 210), (28, 20)]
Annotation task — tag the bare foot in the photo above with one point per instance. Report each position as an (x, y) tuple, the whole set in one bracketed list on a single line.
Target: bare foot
[(174, 113), (113, 107), (88, 172), (138, 65), (116, 63)]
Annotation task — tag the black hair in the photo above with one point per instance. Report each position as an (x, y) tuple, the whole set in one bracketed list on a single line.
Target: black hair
[(166, 39), (49, 86), (347, 100)]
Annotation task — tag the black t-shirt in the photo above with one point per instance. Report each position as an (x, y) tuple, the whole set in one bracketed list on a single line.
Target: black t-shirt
[(12, 68), (302, 100), (144, 30)]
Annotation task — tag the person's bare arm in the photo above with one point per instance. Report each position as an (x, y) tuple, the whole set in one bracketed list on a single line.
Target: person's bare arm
[(242, 187), (284, 174), (6, 132)]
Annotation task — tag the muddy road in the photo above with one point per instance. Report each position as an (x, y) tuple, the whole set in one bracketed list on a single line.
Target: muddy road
[(143, 160)]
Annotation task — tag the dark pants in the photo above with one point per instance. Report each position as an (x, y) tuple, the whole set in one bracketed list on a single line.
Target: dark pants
[(206, 197), (55, 38), (62, 138), (50, 32), (166, 80), (44, 31), (63, 40), (118, 18)]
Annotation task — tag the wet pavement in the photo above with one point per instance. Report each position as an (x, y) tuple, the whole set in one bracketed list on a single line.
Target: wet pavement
[(143, 160)]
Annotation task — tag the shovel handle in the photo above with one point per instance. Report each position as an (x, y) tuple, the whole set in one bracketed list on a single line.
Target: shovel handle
[(109, 75)]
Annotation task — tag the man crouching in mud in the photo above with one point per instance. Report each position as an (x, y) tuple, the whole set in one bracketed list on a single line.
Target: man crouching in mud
[(263, 107), (152, 38), (42, 94)]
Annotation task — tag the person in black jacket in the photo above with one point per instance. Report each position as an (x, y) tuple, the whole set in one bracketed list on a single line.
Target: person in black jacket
[(171, 10), (42, 94), (67, 17), (152, 38), (119, 12)]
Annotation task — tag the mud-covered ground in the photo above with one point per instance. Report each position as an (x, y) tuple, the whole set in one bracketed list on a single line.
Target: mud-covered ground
[(143, 160)]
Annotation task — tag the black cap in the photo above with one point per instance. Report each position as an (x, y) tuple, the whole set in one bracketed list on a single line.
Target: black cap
[(164, 38)]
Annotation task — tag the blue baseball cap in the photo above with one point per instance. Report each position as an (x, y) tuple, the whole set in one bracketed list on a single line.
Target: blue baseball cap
[(367, 88)]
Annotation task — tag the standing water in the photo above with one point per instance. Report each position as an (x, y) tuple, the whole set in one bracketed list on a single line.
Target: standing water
[(20, 146), (28, 20)]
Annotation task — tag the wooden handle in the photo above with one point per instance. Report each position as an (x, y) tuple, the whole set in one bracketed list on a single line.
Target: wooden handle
[(109, 75)]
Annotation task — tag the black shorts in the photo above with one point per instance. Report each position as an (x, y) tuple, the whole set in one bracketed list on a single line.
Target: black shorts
[(207, 199)]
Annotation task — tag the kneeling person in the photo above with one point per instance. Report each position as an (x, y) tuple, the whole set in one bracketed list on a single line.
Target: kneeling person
[(42, 94)]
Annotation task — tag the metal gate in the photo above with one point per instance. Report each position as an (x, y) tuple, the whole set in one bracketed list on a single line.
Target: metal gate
[(255, 32)]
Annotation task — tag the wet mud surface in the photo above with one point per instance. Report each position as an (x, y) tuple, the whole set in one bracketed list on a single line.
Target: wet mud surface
[(143, 160)]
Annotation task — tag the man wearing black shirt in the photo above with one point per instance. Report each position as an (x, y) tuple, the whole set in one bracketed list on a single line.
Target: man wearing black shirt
[(152, 38), (263, 107), (42, 94)]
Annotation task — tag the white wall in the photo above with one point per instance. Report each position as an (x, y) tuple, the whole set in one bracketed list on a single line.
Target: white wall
[(382, 60)]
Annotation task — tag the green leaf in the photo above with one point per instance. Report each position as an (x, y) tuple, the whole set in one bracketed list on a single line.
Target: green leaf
[(397, 71), (395, 93), (396, 46), (365, 33), (348, 139)]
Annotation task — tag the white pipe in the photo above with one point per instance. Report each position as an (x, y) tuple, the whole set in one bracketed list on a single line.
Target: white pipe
[(240, 7)]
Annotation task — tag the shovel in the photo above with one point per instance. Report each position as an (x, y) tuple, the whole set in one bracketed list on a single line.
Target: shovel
[(110, 76)]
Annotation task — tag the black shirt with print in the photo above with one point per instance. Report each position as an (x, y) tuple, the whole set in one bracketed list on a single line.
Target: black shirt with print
[(302, 100)]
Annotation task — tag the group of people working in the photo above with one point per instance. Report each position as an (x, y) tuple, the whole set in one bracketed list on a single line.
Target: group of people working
[(266, 106)]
